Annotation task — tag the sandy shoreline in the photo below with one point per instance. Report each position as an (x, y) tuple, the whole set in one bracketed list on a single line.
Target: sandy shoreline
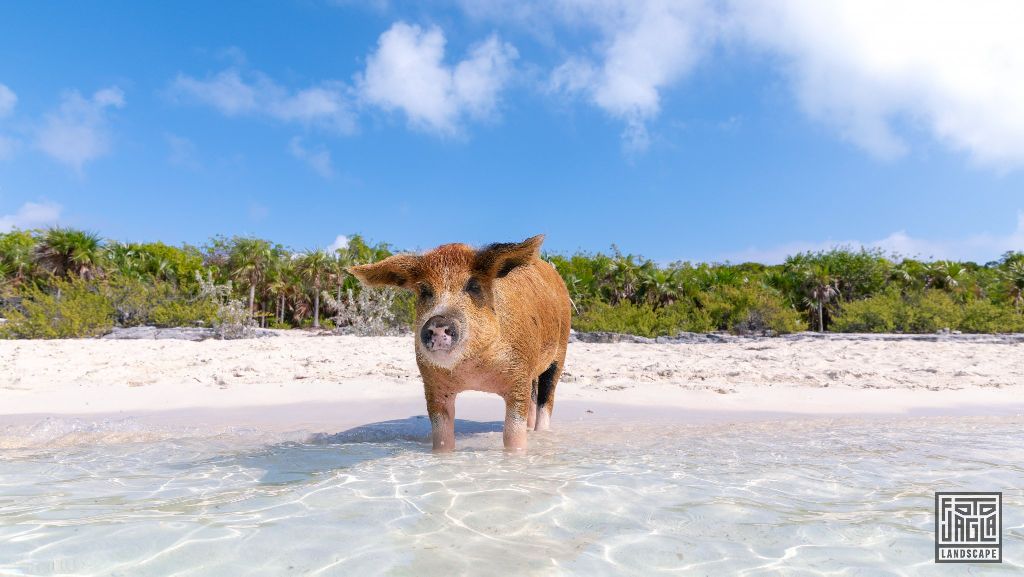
[(300, 380)]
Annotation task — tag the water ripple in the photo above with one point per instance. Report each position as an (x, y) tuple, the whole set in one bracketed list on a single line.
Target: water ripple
[(814, 497)]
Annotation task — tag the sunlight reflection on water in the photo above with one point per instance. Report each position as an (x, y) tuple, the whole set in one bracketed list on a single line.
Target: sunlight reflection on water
[(810, 497)]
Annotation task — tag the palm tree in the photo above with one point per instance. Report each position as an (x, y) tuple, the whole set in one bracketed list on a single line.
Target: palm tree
[(945, 274), (312, 267), (295, 297), (250, 260), (278, 279), (903, 273), (17, 253), (65, 251), (785, 281), (123, 259), (6, 275), (337, 270), (162, 268), (576, 286), (298, 302), (621, 278), (358, 252), (1015, 278), (949, 276), (821, 288), (660, 287)]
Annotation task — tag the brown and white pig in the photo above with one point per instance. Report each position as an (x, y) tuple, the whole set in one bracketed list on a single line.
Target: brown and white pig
[(494, 319)]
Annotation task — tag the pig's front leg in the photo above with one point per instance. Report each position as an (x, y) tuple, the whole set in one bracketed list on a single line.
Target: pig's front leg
[(514, 435), (441, 409)]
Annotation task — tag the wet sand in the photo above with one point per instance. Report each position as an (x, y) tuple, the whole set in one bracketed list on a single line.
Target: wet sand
[(298, 380)]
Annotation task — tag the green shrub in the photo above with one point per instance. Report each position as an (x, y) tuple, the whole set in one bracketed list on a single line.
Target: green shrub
[(232, 319), (624, 317), (767, 314), (72, 310), (181, 313), (877, 314), (135, 300), (858, 273), (643, 320), (684, 316), (370, 312), (404, 309), (750, 309), (929, 311), (743, 309), (154, 302), (984, 317)]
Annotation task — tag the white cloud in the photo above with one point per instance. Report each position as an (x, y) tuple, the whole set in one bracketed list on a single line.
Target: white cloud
[(112, 96), (642, 47), (408, 72), (646, 46), (78, 132), (956, 69), (31, 215), (869, 69), (340, 242), (532, 16), (323, 106), (318, 160), (8, 100), (225, 91), (979, 248)]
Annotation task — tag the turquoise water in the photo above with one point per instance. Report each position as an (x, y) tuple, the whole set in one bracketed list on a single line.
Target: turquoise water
[(812, 497)]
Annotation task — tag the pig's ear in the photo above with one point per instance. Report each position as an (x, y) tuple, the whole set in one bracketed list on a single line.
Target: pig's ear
[(400, 270), (497, 260)]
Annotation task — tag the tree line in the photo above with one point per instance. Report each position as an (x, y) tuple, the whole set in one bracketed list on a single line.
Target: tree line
[(60, 274)]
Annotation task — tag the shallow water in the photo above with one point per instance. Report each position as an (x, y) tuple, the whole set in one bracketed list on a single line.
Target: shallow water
[(805, 497)]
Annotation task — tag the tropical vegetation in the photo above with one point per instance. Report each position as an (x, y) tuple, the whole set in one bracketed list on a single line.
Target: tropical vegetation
[(62, 282)]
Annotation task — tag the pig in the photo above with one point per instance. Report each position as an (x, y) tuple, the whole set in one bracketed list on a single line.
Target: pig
[(494, 319)]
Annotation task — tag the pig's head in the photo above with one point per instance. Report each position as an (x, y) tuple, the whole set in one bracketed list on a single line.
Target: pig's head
[(454, 286)]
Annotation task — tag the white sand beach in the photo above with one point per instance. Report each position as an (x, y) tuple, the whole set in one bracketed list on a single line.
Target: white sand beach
[(322, 382)]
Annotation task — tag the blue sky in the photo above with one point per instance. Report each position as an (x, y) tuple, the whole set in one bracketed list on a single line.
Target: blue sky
[(684, 130)]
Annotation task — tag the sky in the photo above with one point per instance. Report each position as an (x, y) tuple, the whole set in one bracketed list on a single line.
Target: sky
[(696, 130)]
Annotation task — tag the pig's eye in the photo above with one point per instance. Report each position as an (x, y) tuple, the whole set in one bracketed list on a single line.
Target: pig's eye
[(425, 292), (473, 287)]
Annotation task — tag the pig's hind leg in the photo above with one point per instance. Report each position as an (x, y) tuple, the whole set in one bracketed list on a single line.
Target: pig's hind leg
[(531, 411), (546, 383)]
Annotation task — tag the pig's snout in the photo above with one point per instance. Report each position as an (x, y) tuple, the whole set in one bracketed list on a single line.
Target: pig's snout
[(440, 333)]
